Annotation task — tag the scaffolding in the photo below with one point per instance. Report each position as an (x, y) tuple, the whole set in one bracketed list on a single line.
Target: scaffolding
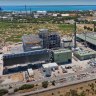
[(50, 39)]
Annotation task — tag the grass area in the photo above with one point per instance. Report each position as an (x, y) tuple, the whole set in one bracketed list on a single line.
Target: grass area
[(67, 28), (12, 32)]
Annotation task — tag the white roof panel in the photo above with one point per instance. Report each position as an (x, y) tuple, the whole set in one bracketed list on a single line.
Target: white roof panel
[(49, 65)]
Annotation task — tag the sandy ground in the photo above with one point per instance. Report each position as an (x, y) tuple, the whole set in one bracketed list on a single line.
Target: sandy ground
[(85, 86)]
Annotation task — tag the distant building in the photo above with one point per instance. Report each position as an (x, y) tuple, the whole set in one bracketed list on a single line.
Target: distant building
[(41, 12), (73, 14), (55, 15), (62, 56), (50, 39), (6, 18), (94, 14), (64, 15)]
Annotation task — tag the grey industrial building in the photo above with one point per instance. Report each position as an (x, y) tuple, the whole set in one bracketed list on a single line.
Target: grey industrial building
[(31, 42), (26, 57), (44, 39), (50, 39), (41, 47), (88, 38)]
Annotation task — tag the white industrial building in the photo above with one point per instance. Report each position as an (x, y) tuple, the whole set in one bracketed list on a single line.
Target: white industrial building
[(1, 64), (64, 15), (42, 12), (50, 66), (30, 72), (66, 43), (55, 15)]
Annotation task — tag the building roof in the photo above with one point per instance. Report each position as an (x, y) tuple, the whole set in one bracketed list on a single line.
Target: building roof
[(50, 65), (43, 30), (42, 51), (30, 71), (89, 37), (66, 39), (64, 14), (61, 51), (85, 52), (31, 39)]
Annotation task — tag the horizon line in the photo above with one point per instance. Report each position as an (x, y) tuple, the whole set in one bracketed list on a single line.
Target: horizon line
[(48, 5)]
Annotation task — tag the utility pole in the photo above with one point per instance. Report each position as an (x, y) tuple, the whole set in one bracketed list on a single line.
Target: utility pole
[(75, 45), (85, 43), (30, 11), (25, 10), (94, 27)]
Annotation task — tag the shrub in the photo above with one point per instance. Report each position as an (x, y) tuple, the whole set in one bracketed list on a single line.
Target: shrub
[(53, 83), (3, 92), (15, 90), (26, 86), (45, 84)]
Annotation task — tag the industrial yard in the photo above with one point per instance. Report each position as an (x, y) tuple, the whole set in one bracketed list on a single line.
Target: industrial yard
[(46, 57), (64, 75)]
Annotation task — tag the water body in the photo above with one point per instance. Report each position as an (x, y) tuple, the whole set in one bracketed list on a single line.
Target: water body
[(50, 8)]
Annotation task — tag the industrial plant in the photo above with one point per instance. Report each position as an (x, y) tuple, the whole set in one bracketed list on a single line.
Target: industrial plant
[(48, 56)]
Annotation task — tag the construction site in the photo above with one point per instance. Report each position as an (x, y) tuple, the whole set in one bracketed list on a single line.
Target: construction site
[(47, 56)]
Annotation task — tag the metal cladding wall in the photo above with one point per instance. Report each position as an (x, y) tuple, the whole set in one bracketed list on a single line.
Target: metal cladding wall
[(26, 57), (62, 57), (89, 38)]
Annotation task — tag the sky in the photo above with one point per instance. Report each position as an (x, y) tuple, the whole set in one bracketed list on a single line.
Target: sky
[(47, 2)]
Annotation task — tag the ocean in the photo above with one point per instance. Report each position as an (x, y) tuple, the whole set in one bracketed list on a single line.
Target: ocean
[(50, 8)]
